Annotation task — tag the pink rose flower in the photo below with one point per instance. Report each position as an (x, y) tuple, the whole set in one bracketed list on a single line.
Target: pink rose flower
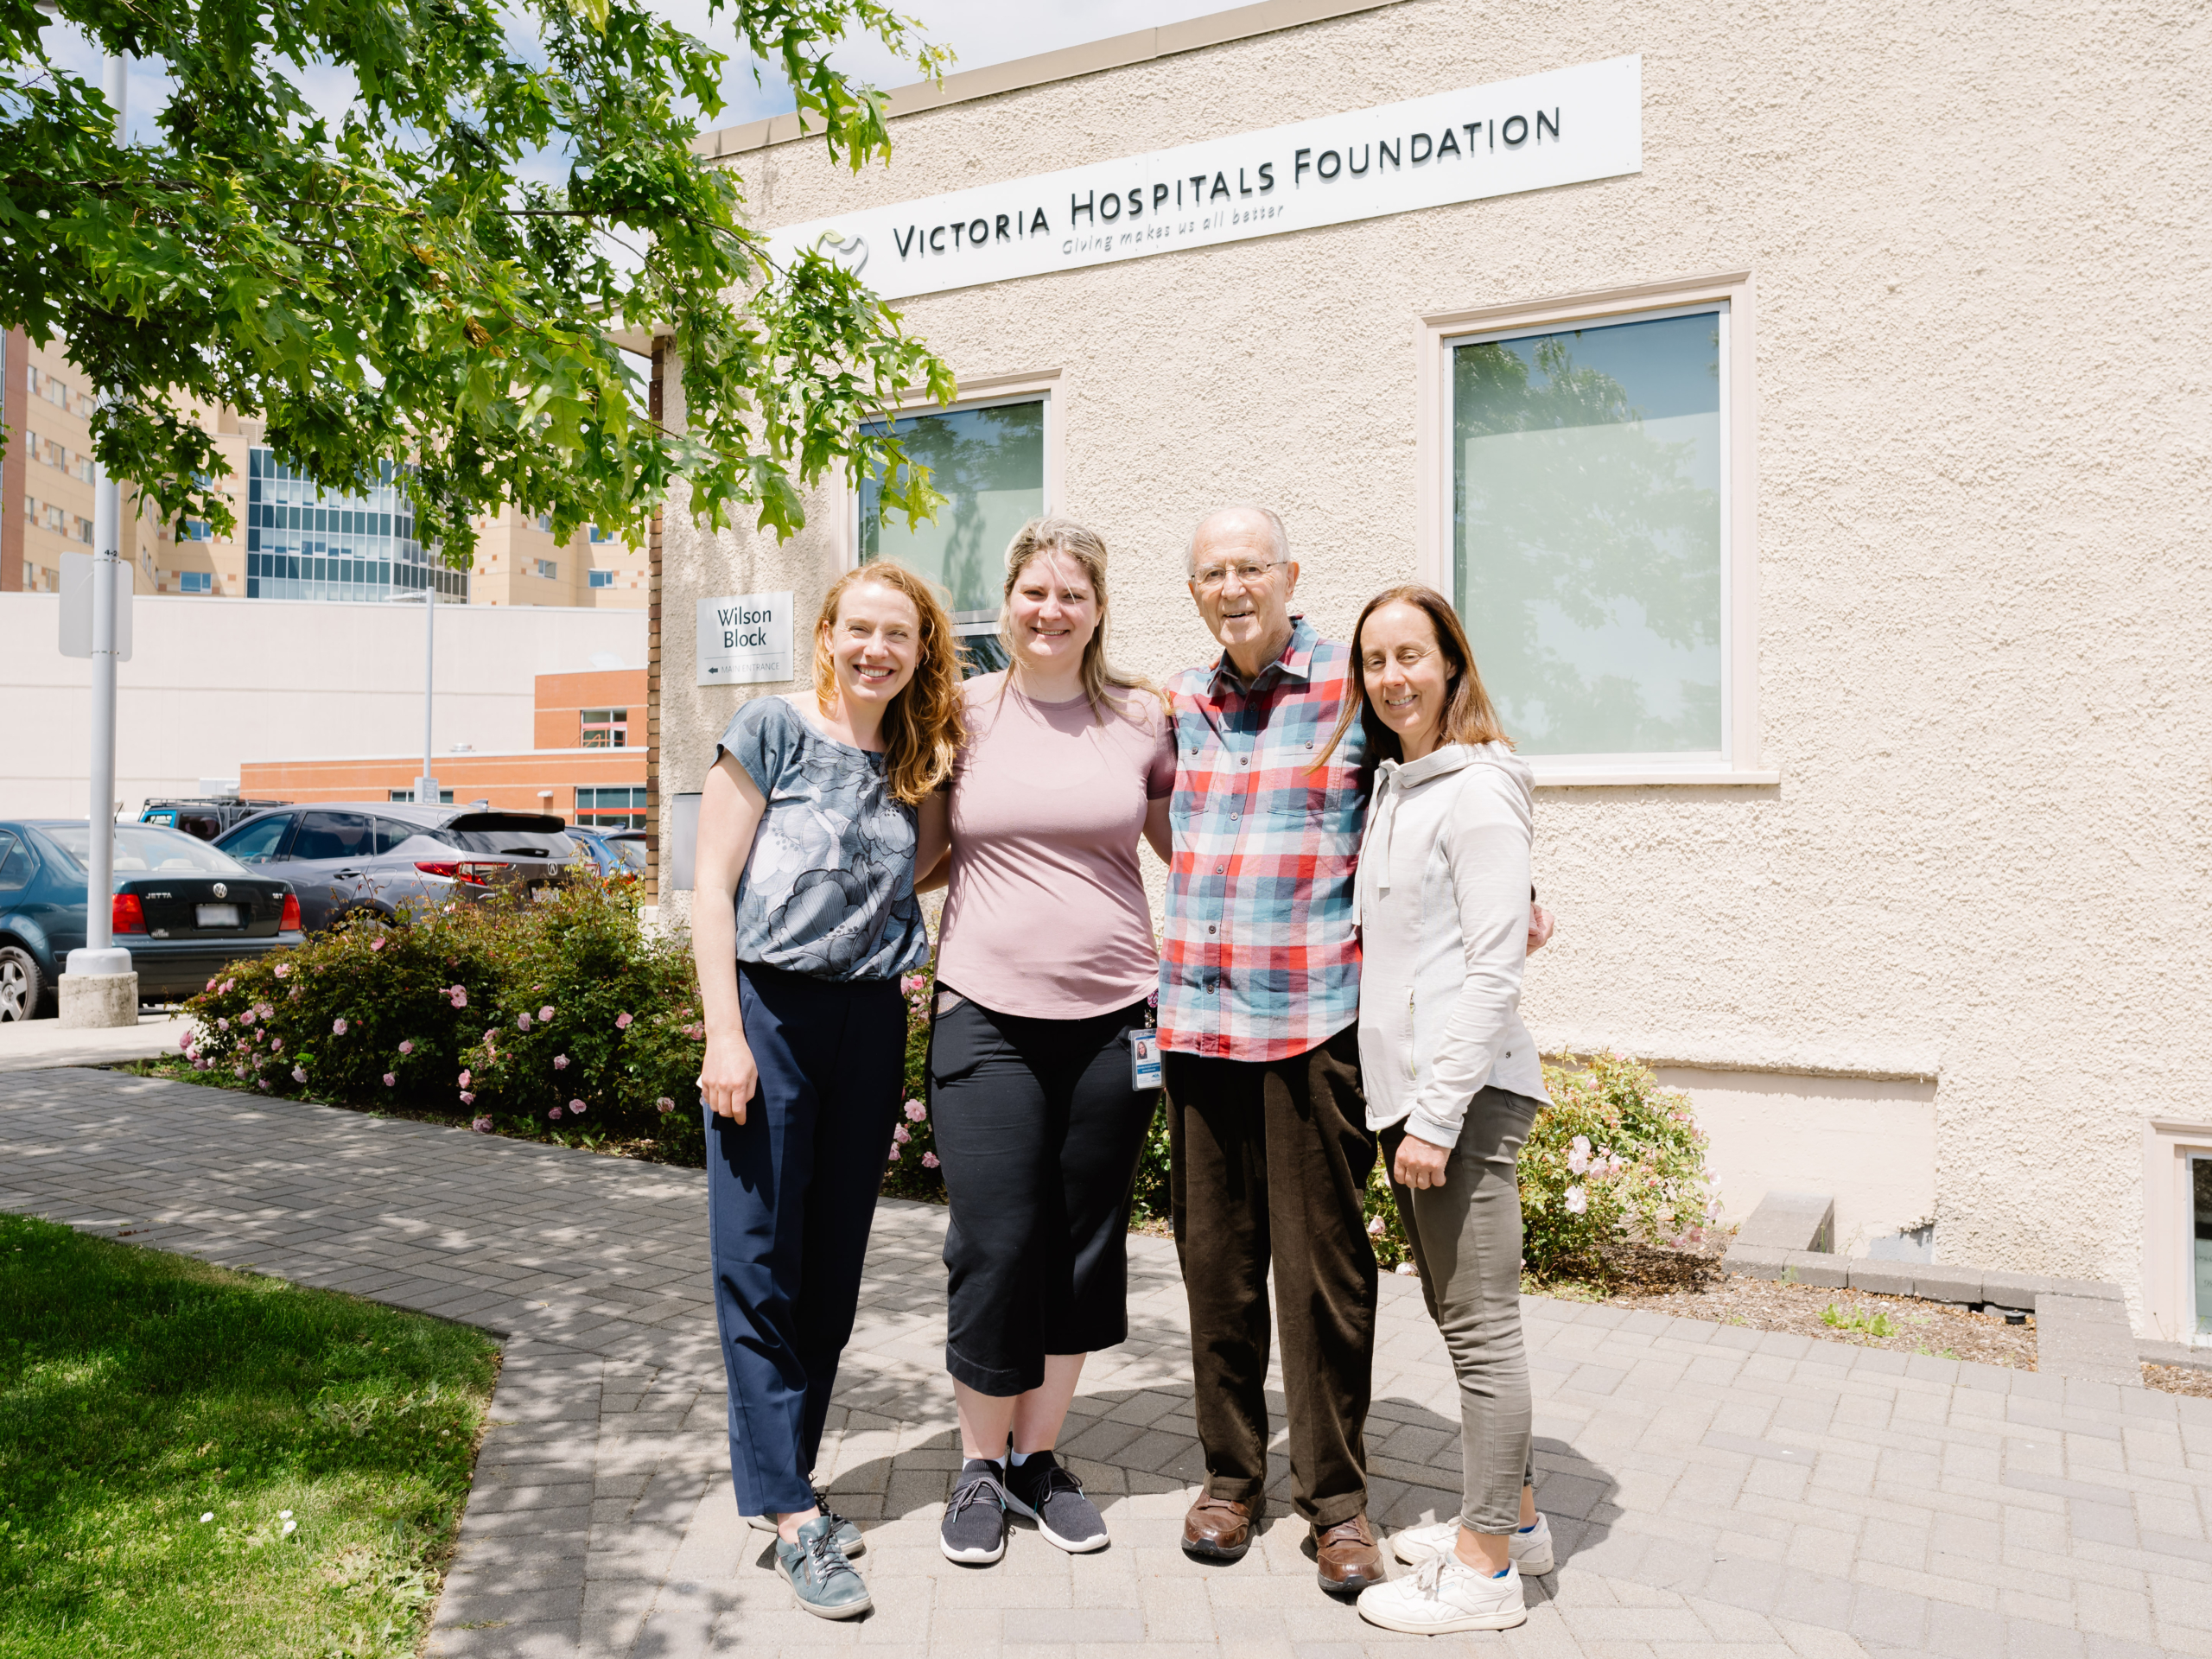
[(407, 1047), (228, 984), (464, 1078), (545, 1013), (299, 1074), (901, 1135), (481, 1125), (929, 1160), (283, 971), (377, 944), (665, 1104), (621, 1022), (239, 1070), (894, 1158), (338, 1029), (222, 1025), (459, 994), (521, 1023), (467, 1099), (276, 1045), (560, 1062), (210, 984), (576, 1108), (916, 1111), (554, 1113), (390, 1080)]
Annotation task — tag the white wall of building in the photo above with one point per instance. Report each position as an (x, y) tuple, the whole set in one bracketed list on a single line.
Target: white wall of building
[(212, 682), (1983, 856)]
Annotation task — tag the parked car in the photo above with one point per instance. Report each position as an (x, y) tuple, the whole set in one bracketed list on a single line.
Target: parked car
[(206, 817), (180, 907), (614, 852), (383, 857)]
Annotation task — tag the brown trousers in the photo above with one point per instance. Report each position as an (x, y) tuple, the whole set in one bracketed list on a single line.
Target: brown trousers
[(1269, 1163)]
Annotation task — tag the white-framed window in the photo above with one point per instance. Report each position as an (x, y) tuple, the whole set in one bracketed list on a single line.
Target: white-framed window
[(1587, 468), (602, 578), (622, 807), (196, 581), (549, 568), (995, 455)]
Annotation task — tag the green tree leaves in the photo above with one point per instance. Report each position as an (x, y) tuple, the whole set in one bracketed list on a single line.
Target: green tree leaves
[(407, 285)]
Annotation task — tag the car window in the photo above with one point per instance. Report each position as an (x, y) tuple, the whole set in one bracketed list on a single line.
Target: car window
[(15, 865), (260, 841), (333, 834), (149, 849), (391, 833)]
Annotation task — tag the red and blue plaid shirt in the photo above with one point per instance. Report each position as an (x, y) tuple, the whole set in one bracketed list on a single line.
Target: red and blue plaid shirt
[(1261, 960)]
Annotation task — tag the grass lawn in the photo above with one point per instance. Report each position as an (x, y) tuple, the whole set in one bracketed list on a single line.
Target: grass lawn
[(194, 1461)]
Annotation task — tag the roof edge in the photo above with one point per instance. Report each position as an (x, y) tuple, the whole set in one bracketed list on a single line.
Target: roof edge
[(1218, 28)]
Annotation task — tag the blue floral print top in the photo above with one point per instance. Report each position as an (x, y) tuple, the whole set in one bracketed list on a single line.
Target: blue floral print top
[(830, 888)]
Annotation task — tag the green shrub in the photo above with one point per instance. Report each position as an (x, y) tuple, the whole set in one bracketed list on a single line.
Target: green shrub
[(559, 1017), (1614, 1158)]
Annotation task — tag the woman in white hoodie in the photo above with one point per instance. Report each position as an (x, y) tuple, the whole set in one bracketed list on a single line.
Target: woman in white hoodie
[(1451, 1076)]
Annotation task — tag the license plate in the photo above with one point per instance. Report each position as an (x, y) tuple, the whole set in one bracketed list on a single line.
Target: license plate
[(219, 915)]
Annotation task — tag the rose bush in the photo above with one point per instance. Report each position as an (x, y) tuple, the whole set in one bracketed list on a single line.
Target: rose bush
[(1614, 1159), (541, 1018)]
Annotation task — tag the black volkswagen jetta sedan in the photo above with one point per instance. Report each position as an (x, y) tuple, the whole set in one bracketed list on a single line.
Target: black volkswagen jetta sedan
[(182, 908)]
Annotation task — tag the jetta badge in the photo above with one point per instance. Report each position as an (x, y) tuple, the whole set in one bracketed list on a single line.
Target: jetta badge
[(222, 891)]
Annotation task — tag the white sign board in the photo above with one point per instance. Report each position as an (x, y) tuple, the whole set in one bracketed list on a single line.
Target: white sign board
[(1560, 127), (77, 605), (745, 640)]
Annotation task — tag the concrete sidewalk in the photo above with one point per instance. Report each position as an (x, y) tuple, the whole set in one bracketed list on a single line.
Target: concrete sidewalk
[(40, 1044), (1713, 1489)]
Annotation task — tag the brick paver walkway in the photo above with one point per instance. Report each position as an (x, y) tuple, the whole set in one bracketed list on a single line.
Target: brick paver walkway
[(1714, 1490)]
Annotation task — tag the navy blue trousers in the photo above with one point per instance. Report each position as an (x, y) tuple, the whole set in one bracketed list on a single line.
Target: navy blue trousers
[(791, 1196)]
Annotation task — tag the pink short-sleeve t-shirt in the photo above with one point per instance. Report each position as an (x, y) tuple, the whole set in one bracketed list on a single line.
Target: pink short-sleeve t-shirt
[(1044, 911)]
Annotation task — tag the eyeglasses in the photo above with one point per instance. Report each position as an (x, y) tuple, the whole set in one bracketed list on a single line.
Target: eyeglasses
[(1248, 575)]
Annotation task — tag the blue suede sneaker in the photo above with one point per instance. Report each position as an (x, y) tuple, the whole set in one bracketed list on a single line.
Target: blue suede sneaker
[(849, 1535), (821, 1577)]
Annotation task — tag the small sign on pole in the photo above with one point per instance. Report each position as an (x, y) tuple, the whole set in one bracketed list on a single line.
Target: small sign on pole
[(746, 639), (77, 605)]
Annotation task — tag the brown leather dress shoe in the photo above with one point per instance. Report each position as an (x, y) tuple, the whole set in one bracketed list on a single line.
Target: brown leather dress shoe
[(1218, 1529), (1347, 1556)]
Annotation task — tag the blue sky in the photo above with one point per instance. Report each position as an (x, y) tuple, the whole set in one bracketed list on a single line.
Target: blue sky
[(980, 31)]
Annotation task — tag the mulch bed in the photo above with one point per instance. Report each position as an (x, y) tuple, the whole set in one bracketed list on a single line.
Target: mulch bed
[(2179, 1379), (1690, 1284)]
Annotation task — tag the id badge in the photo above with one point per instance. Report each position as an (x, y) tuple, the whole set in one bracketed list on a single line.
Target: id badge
[(1144, 1057)]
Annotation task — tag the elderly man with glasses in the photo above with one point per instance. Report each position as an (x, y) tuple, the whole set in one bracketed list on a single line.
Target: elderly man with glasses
[(1259, 1013)]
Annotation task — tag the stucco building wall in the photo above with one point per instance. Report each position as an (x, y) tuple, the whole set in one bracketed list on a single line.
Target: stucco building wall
[(1978, 240)]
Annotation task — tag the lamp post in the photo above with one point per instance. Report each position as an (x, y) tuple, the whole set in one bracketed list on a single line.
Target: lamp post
[(426, 786), (98, 986)]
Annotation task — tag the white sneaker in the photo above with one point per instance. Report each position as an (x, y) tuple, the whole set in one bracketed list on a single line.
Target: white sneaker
[(1445, 1595), (1530, 1551)]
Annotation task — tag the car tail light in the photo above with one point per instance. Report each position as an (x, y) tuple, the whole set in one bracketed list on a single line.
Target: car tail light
[(476, 875), (127, 915), (289, 921)]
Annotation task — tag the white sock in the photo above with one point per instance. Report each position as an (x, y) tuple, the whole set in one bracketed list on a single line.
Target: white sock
[(1015, 1459)]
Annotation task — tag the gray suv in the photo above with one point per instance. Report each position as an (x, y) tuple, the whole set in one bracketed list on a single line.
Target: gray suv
[(380, 857)]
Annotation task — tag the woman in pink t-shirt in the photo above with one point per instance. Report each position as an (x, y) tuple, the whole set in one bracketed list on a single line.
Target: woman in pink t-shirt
[(1045, 966)]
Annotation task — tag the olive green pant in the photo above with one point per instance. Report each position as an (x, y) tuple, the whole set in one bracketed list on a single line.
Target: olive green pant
[(1465, 1237)]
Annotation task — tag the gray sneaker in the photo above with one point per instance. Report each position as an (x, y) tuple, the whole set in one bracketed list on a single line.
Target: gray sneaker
[(1038, 1488), (975, 1521), (821, 1577), (849, 1535)]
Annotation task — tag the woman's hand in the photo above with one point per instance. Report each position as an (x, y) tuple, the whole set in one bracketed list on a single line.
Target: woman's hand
[(729, 1078), (1541, 924), (1420, 1163)]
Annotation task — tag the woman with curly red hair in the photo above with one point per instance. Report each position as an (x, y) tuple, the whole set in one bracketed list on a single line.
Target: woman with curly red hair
[(805, 918)]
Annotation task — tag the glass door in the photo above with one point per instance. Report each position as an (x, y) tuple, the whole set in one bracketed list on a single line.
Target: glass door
[(2200, 1186)]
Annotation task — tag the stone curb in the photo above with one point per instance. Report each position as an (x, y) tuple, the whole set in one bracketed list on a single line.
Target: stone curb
[(2081, 1325)]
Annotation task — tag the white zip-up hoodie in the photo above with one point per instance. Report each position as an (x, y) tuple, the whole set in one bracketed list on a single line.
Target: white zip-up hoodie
[(1443, 898)]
